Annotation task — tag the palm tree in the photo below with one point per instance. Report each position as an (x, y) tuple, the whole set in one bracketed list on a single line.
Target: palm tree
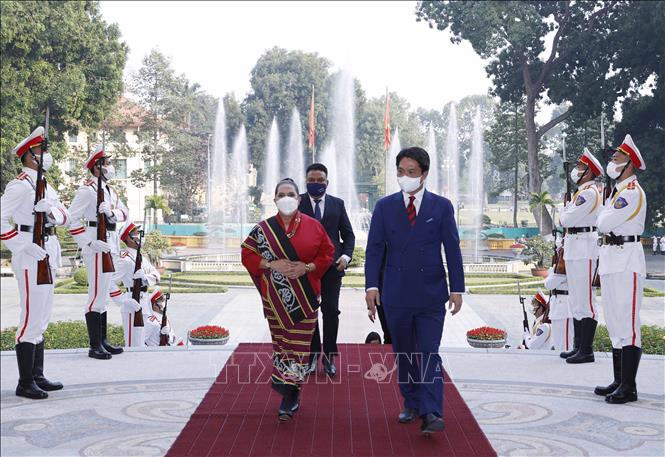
[(540, 201), (155, 202)]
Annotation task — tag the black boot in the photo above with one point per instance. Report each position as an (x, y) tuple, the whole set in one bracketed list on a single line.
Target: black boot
[(38, 371), (97, 351), (115, 350), (25, 355), (627, 390), (616, 362), (585, 353), (577, 332)]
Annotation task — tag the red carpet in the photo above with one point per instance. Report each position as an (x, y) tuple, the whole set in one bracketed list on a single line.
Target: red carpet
[(238, 415)]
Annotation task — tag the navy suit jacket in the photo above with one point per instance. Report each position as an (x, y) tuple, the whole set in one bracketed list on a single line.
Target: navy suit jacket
[(335, 221), (414, 274)]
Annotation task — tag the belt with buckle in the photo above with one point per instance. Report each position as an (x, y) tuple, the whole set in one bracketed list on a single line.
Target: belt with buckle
[(574, 230), (142, 289), (559, 292), (110, 226), (50, 230), (617, 240)]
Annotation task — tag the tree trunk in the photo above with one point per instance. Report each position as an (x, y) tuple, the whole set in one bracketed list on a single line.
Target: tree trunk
[(517, 164), (535, 182)]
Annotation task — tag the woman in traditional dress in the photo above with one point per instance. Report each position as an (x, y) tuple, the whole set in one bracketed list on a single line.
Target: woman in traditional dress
[(286, 255)]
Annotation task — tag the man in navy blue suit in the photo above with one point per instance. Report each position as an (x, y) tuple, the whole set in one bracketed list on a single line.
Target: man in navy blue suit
[(408, 229), (330, 211)]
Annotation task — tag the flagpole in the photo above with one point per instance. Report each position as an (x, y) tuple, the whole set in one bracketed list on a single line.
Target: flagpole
[(386, 141), (312, 142)]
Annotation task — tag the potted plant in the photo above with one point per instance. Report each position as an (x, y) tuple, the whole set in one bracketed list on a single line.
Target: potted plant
[(486, 337), (209, 334), (517, 248), (537, 251)]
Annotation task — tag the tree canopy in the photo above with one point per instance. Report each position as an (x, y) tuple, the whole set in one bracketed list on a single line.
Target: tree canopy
[(60, 54)]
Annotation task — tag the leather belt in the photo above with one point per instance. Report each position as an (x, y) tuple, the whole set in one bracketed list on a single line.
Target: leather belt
[(110, 226), (142, 289), (559, 292), (574, 230), (50, 231), (617, 240)]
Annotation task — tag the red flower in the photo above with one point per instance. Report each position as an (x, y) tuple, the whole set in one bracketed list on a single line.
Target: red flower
[(517, 246), (486, 333), (209, 331)]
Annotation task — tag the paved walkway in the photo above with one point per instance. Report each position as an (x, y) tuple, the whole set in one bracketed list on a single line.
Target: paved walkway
[(527, 403)]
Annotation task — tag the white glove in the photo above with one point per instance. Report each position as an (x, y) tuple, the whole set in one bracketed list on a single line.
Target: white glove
[(34, 251), (140, 274), (132, 305), (99, 246), (105, 207), (166, 330), (43, 206)]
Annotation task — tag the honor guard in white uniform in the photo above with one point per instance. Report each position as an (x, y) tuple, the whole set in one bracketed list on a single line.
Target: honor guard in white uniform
[(580, 243), (560, 313), (662, 245), (623, 269), (654, 244), (124, 272), (153, 326), (17, 219), (83, 211), (540, 336)]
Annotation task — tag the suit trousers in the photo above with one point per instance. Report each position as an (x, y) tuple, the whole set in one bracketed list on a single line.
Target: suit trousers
[(331, 284), (416, 336)]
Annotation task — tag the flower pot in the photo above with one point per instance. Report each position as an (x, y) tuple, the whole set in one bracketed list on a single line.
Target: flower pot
[(204, 341), (539, 271), (517, 251), (486, 343)]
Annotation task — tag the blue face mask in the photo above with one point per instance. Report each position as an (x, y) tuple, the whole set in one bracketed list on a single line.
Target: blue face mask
[(316, 189)]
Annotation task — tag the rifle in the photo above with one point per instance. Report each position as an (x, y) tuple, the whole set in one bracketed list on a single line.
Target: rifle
[(107, 260), (164, 339), (607, 191), (39, 236), (558, 262), (138, 284), (525, 321)]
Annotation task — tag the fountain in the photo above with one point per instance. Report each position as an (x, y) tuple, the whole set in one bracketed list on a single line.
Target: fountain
[(237, 196), (433, 175), (476, 168), (390, 171), (217, 180), (271, 170), (451, 161), (344, 134), (295, 160), (329, 159)]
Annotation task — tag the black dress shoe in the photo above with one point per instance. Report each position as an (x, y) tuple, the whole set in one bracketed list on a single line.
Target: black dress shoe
[(408, 415), (431, 424), (329, 366)]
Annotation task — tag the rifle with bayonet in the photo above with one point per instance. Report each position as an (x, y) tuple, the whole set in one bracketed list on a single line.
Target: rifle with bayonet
[(525, 320), (558, 262), (138, 283), (39, 235), (164, 339), (107, 260)]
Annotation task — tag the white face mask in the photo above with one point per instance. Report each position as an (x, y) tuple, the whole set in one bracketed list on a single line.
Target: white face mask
[(109, 172), (408, 184), (614, 170), (47, 161), (575, 175), (287, 205)]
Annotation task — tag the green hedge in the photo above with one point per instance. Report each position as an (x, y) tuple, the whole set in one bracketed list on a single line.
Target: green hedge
[(63, 335), (653, 339)]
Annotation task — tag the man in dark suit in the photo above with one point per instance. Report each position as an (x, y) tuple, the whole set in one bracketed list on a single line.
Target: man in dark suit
[(407, 231), (330, 211)]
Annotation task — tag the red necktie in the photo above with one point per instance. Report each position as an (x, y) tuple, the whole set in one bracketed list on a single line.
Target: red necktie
[(411, 210)]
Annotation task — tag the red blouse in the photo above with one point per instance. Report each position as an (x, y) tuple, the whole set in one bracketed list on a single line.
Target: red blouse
[(312, 244)]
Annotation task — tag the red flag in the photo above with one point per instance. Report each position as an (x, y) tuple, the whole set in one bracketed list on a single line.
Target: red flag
[(386, 123), (311, 121)]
